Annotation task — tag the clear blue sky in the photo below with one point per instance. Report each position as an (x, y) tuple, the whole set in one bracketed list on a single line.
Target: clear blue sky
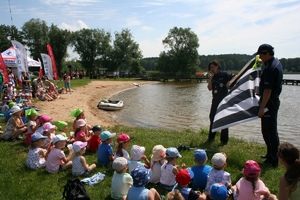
[(222, 26)]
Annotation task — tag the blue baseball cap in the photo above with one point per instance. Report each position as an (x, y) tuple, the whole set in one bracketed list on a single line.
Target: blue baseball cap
[(172, 152), (106, 135), (36, 136), (200, 155), (218, 191)]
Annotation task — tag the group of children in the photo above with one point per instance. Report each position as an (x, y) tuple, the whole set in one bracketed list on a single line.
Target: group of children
[(47, 142), (133, 171)]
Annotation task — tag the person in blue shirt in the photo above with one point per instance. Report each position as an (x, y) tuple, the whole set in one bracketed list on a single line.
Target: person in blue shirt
[(7, 114), (105, 152), (217, 83), (138, 191), (270, 88), (201, 170)]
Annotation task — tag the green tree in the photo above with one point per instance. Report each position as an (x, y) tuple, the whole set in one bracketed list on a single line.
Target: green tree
[(103, 59), (125, 51), (91, 44), (182, 54), (149, 63), (35, 34), (59, 41), (136, 67), (164, 64), (8, 33)]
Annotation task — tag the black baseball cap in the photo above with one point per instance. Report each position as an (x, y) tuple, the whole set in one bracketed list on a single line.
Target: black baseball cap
[(264, 48)]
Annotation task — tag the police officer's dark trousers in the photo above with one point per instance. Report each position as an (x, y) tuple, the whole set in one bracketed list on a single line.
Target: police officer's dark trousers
[(269, 130), (213, 110)]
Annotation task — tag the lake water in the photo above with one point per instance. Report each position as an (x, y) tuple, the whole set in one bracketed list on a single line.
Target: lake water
[(183, 105)]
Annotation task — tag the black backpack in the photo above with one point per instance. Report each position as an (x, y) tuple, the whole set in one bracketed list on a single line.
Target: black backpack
[(74, 189)]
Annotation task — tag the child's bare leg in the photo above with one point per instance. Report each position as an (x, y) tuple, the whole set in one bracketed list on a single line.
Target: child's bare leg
[(68, 165)]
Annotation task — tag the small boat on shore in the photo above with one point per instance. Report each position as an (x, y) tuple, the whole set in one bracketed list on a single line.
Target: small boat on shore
[(106, 104)]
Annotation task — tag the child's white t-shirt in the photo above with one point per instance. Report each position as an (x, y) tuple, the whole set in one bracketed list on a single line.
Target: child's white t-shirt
[(156, 170), (125, 155), (217, 176), (167, 176), (29, 124)]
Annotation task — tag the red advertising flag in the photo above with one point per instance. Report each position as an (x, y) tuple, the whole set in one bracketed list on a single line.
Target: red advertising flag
[(50, 53), (41, 72), (3, 70)]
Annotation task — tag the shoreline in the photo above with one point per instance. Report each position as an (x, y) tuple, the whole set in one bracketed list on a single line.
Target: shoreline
[(87, 98)]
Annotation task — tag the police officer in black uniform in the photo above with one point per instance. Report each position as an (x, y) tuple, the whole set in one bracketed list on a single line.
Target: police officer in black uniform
[(217, 83), (269, 89)]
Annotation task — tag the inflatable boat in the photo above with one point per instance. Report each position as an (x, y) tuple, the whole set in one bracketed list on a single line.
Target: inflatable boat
[(105, 104)]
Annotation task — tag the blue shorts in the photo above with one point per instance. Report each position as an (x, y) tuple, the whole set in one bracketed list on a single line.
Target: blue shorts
[(67, 85)]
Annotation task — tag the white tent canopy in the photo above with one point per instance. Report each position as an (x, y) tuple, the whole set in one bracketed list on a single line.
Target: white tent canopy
[(9, 57)]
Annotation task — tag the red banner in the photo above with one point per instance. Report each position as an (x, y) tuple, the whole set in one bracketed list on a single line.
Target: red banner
[(3, 70), (50, 53)]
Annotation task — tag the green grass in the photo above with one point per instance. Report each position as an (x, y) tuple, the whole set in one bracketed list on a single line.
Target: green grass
[(18, 182)]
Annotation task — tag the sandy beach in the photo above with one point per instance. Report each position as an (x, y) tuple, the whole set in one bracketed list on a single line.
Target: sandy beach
[(86, 98)]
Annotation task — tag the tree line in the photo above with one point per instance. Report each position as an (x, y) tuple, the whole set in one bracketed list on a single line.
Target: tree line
[(95, 47), (98, 48), (229, 62)]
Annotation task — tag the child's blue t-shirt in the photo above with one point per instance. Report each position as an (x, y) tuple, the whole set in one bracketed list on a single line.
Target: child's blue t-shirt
[(200, 176), (104, 151), (7, 115), (137, 193)]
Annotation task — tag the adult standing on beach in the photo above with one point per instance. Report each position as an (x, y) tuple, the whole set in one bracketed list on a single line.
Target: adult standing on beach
[(269, 89), (25, 80), (217, 83)]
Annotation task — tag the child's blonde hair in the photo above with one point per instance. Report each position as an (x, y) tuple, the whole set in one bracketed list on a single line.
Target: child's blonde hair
[(33, 144), (119, 148), (174, 195)]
